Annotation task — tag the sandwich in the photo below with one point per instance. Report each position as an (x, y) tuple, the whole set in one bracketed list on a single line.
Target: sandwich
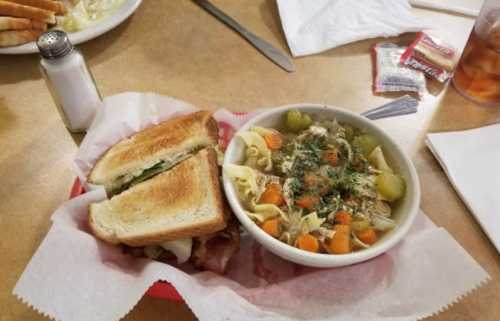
[(176, 204), (165, 198), (153, 150)]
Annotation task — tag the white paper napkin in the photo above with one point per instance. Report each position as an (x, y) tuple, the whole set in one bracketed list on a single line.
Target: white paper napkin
[(469, 8), (471, 159), (315, 26), (73, 276)]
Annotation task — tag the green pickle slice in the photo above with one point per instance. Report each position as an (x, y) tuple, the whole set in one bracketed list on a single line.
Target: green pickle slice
[(366, 143), (295, 121), (391, 186)]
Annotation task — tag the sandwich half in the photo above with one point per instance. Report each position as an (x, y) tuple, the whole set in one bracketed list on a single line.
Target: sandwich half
[(180, 203), (165, 198), (153, 150)]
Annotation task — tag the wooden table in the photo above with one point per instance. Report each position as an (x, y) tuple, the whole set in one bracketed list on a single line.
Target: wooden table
[(174, 48)]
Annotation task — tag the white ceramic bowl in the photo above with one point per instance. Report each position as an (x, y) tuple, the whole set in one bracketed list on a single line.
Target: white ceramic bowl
[(404, 212)]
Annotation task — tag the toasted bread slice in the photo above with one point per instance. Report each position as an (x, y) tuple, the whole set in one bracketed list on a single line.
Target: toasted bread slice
[(183, 202), (11, 23), (51, 5), (169, 141), (22, 11), (17, 37), (38, 25)]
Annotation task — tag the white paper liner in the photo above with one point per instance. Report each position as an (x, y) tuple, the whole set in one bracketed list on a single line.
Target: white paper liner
[(74, 276)]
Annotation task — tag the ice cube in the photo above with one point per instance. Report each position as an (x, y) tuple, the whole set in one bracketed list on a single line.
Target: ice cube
[(493, 37)]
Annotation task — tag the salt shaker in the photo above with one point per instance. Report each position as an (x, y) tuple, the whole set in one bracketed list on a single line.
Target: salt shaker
[(69, 80)]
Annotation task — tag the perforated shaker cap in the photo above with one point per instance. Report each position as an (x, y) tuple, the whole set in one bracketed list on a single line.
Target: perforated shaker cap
[(54, 44)]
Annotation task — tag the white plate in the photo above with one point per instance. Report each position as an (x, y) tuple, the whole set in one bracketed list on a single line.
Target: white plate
[(122, 13)]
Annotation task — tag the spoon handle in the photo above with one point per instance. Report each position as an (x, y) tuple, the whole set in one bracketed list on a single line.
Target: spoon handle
[(401, 106)]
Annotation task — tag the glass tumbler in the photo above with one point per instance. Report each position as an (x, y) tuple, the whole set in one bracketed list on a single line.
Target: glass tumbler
[(477, 75)]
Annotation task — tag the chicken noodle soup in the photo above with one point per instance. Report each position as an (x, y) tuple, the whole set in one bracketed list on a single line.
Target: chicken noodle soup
[(319, 185)]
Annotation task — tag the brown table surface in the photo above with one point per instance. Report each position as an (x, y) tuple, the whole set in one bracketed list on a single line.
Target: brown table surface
[(174, 48)]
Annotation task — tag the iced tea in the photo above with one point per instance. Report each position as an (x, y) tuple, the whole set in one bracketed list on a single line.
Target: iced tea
[(478, 73)]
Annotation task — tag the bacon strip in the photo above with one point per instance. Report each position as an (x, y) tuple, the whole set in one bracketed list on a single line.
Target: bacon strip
[(213, 252)]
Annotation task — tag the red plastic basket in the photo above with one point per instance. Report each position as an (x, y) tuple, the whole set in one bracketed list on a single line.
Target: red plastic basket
[(160, 289)]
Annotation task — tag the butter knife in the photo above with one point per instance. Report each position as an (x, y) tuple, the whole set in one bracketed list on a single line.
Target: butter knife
[(264, 47)]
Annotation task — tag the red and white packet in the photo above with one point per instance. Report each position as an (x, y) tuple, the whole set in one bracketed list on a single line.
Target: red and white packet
[(73, 276), (432, 56)]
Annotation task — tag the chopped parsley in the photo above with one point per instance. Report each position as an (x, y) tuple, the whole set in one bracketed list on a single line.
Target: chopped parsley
[(296, 186)]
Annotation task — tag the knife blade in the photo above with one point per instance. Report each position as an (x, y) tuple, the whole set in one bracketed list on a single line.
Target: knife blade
[(264, 47)]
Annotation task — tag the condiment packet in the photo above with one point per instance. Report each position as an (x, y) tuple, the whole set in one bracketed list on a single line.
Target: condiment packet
[(432, 56), (73, 276), (390, 75)]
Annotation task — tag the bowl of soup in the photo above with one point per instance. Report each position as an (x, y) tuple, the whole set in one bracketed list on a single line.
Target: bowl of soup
[(319, 185)]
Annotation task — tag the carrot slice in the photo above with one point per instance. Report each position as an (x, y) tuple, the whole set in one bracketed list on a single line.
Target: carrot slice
[(343, 217), (274, 141), (310, 180), (313, 181), (331, 157), (271, 227), (341, 241), (272, 195), (307, 201), (307, 242), (367, 236)]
